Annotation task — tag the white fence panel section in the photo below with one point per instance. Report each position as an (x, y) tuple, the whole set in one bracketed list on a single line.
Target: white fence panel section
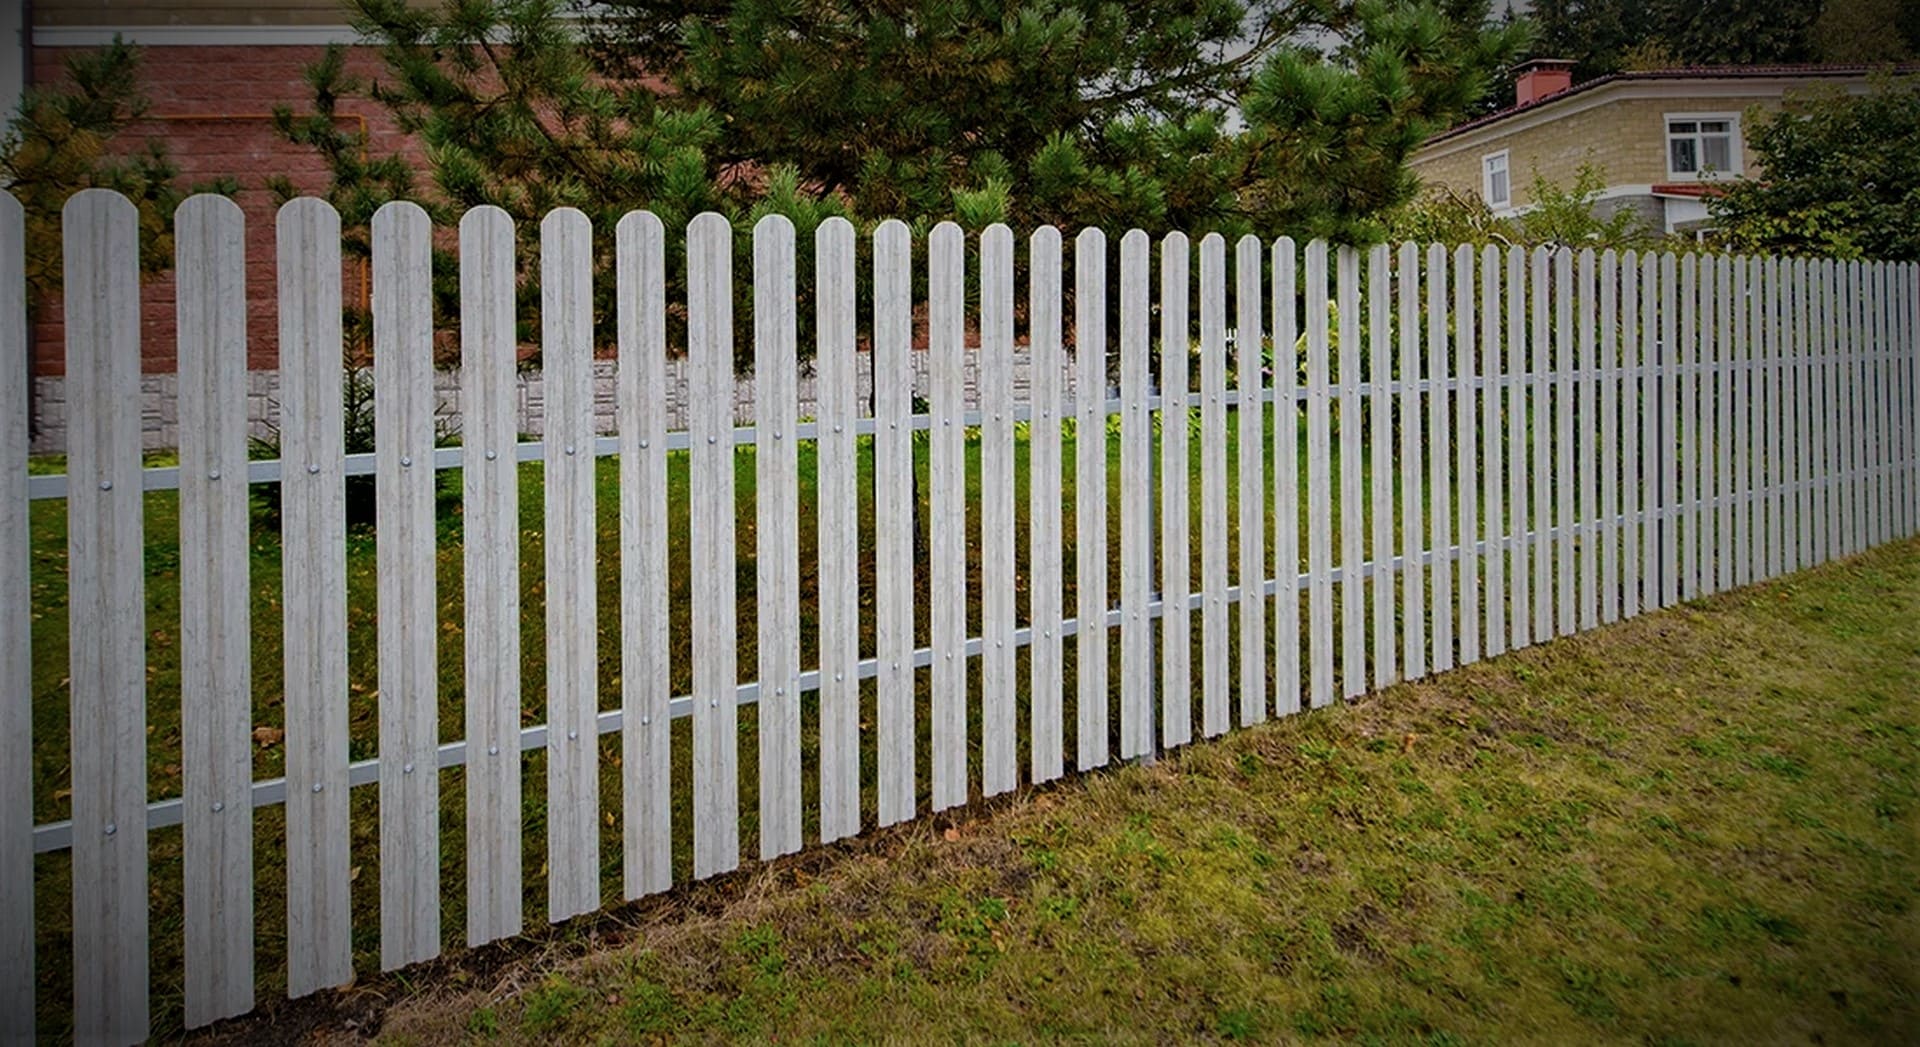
[(1541, 442)]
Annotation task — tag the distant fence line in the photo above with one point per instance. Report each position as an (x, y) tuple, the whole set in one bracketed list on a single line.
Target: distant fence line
[(1539, 443)]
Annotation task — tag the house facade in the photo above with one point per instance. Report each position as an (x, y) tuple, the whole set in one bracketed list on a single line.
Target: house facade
[(1661, 138)]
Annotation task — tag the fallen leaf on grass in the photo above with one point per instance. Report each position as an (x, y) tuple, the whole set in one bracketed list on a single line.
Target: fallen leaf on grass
[(267, 737), (951, 834)]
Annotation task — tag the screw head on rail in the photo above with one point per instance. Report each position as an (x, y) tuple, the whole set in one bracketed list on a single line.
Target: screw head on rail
[(491, 455), (218, 806), (643, 444), (645, 720), (573, 736), (106, 485), (406, 768), (317, 786), (569, 449), (213, 474), (493, 750), (713, 439), (312, 469), (112, 828)]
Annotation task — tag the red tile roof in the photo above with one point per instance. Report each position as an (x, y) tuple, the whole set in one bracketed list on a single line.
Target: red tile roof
[(1702, 72)]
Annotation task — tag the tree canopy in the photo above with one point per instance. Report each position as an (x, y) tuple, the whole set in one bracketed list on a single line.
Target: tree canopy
[(1840, 176), (1192, 114)]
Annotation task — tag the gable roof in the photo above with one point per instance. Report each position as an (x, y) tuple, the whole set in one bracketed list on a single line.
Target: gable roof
[(1718, 72)]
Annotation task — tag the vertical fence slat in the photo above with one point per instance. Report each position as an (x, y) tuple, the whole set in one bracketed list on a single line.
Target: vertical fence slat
[(1663, 449), (1633, 465), (1774, 407), (716, 667), (409, 618), (893, 472), (1286, 483), (1801, 406), (16, 669), (1564, 484), (776, 504), (106, 620), (1740, 362), (1412, 535), (1090, 493), (1792, 408), (1176, 546), (1214, 682), (1876, 401), (1136, 503), (1467, 451), (1520, 542), (838, 531), (1910, 348), (1689, 355), (646, 736), (1887, 441), (1850, 427), (1379, 413), (314, 587), (1541, 379), (1043, 506), (1707, 515), (1588, 468), (1440, 461), (1610, 433), (1821, 412), (1494, 467), (998, 772), (1319, 484), (572, 580), (490, 519), (490, 514), (947, 510), (1353, 600), (1723, 422), (216, 666), (1247, 347)]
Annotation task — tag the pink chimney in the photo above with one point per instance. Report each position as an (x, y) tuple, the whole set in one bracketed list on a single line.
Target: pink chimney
[(1540, 78)]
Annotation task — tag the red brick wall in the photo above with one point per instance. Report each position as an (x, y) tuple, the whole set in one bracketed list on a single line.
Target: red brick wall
[(211, 106)]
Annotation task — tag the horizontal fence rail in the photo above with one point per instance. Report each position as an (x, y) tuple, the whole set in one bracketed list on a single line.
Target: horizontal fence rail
[(1437, 455)]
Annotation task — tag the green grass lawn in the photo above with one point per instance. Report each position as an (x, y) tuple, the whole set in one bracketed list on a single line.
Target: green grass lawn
[(1702, 825)]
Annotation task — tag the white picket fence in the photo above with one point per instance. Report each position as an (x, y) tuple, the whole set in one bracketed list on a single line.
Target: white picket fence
[(1559, 441)]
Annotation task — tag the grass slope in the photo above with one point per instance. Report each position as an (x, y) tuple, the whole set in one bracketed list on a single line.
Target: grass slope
[(1698, 826)]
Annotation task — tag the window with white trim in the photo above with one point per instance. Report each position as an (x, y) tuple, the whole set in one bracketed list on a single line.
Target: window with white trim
[(1496, 184), (1701, 145)]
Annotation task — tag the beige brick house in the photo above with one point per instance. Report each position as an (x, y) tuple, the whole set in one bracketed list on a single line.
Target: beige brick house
[(1662, 137)]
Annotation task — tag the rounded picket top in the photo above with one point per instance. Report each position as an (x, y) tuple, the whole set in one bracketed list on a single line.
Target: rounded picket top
[(564, 221), (997, 233), (710, 223), (208, 207), (401, 216), (772, 224), (10, 206), (97, 204), (1134, 237), (945, 232), (1213, 242), (1045, 237), (307, 210), (642, 224), (1092, 238), (1176, 239), (483, 218), (835, 233), (1247, 242)]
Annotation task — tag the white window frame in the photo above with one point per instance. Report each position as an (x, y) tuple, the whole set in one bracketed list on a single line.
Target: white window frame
[(1736, 162), (1486, 179)]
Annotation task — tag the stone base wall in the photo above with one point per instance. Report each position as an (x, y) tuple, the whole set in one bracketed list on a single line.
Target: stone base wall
[(160, 418)]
